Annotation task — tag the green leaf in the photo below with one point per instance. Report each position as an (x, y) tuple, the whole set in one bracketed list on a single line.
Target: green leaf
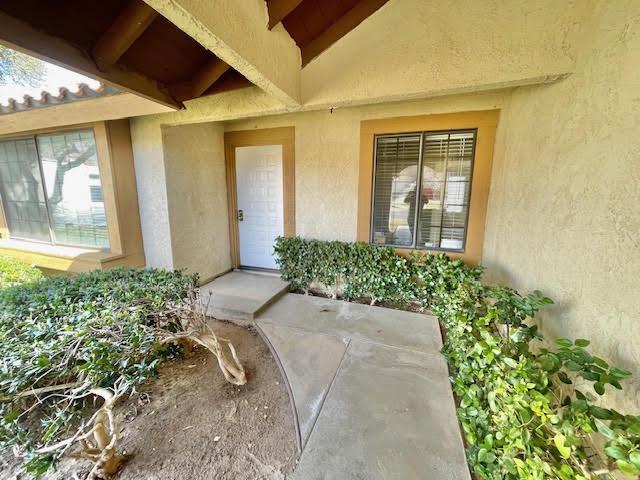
[(510, 361), (600, 362), (600, 413), (559, 441), (620, 372), (581, 342), (549, 362), (599, 388), (606, 431), (615, 452), (482, 454), (635, 458), (627, 468), (563, 342)]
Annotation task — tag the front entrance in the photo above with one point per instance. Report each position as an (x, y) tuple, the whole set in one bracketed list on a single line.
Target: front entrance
[(260, 203), (261, 196)]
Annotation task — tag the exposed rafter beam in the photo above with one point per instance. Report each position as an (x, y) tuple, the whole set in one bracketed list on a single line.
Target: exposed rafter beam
[(201, 81), (227, 85), (269, 59), (129, 25), (279, 9), (19, 35), (340, 28)]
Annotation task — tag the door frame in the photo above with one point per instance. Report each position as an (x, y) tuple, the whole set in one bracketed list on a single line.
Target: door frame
[(284, 136)]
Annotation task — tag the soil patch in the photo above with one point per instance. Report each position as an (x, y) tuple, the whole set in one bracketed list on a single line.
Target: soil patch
[(191, 424)]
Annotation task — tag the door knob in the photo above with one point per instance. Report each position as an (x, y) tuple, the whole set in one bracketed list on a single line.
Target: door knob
[(240, 215)]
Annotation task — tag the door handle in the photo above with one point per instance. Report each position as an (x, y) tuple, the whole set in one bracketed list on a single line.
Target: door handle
[(240, 215)]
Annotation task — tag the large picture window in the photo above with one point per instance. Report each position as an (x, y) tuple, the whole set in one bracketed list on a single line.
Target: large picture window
[(51, 190), (421, 189)]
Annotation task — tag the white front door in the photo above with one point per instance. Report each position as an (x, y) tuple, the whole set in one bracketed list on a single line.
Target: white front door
[(260, 203)]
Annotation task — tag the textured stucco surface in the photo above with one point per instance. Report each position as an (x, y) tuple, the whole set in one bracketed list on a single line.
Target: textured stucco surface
[(563, 210), (416, 48), (328, 150), (236, 31), (327, 153), (148, 151), (148, 155), (197, 198)]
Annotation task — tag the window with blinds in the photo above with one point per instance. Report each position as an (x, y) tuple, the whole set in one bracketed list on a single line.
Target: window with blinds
[(51, 191), (421, 189)]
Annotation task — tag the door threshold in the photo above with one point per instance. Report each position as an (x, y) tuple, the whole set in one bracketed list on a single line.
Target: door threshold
[(271, 272)]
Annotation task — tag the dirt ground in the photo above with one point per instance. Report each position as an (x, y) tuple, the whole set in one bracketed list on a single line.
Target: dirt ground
[(191, 424)]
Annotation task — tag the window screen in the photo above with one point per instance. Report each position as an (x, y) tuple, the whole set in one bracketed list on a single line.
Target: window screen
[(429, 210), (51, 189)]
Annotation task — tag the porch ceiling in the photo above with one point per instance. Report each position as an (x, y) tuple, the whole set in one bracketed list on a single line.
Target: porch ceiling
[(317, 24), (124, 42)]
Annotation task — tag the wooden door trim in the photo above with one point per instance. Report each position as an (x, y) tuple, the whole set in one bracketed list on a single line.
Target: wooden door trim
[(284, 136)]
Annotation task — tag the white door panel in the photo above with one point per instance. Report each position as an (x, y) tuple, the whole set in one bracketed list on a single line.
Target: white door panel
[(260, 198)]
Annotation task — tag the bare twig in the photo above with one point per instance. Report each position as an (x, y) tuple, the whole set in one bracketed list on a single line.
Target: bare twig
[(195, 327), (104, 430)]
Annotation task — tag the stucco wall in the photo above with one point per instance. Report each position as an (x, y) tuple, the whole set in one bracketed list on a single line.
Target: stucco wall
[(563, 211), (417, 48), (197, 198), (148, 155), (327, 152)]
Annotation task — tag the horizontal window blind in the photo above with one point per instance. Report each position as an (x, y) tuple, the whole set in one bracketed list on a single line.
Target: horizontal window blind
[(396, 173), (429, 210)]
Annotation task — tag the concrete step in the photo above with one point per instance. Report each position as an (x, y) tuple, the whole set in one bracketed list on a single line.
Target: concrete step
[(241, 296)]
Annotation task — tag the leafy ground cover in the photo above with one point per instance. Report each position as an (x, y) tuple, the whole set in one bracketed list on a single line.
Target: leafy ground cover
[(13, 272), (60, 336), (522, 414)]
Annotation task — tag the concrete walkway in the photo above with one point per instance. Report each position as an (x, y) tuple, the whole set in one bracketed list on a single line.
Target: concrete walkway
[(369, 388), (368, 385)]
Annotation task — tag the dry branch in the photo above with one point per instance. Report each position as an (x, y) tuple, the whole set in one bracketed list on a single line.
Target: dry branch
[(102, 426), (194, 326)]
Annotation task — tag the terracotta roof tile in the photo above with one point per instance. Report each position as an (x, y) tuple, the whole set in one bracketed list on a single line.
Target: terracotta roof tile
[(65, 95)]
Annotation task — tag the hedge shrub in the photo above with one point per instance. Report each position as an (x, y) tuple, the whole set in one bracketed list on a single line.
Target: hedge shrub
[(14, 271), (93, 327), (521, 413)]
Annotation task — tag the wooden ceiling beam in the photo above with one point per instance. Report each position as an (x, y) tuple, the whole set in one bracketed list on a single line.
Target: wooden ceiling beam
[(279, 9), (19, 35), (201, 81), (234, 83), (350, 20), (129, 25)]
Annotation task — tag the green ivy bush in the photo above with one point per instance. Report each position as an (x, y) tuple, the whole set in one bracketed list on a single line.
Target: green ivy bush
[(94, 327), (14, 271), (357, 268), (522, 415)]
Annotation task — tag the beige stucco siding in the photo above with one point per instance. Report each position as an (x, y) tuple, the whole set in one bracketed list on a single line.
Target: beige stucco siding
[(148, 154), (328, 151), (197, 198), (563, 211), (416, 48)]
